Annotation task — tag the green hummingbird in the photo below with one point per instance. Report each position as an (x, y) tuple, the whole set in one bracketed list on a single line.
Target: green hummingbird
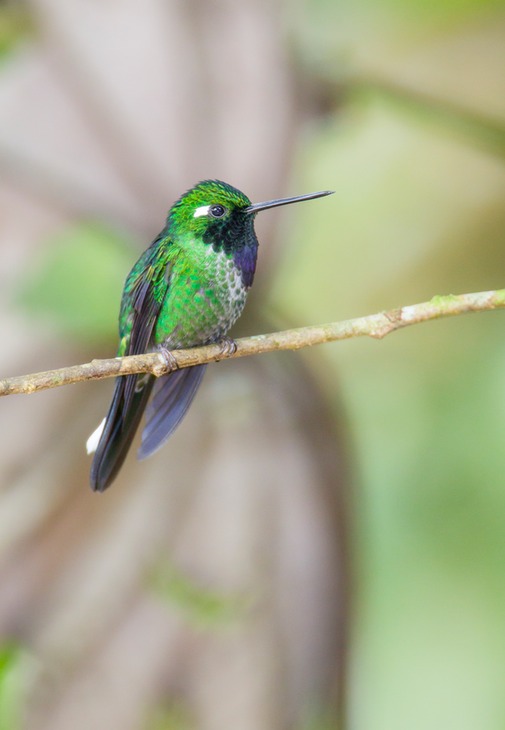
[(187, 289)]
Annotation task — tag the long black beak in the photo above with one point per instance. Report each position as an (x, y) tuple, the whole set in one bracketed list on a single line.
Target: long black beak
[(255, 207)]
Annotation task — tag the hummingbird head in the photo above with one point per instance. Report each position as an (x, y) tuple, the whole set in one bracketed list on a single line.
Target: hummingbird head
[(223, 217)]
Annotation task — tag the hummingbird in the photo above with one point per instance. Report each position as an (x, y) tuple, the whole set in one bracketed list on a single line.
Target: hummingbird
[(187, 289)]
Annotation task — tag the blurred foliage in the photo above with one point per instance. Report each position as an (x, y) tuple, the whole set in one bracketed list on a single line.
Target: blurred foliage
[(322, 719), (174, 717), (426, 410), (415, 154), (15, 25), (336, 36), (202, 607), (77, 283), (10, 687), (468, 125)]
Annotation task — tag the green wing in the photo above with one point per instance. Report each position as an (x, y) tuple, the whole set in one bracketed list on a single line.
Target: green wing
[(144, 292)]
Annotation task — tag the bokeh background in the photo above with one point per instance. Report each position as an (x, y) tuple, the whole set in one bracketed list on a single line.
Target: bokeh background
[(324, 536)]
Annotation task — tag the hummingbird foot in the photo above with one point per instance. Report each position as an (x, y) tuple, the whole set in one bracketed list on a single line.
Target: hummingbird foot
[(168, 359), (228, 346)]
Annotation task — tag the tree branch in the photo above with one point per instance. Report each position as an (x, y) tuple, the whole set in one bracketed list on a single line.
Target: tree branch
[(375, 325)]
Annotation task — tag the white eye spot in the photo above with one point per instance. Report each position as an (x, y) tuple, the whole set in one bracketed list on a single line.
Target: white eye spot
[(202, 210)]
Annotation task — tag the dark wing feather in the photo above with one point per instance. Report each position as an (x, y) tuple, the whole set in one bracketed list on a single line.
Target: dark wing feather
[(140, 307), (120, 427), (145, 313), (173, 394)]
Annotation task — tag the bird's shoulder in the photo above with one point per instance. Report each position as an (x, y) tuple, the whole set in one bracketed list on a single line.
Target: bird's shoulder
[(146, 286)]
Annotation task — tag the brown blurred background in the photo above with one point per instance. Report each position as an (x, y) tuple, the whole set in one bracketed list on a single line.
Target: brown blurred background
[(210, 588)]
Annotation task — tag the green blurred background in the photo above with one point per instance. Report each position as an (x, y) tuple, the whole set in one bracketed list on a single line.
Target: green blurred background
[(379, 460)]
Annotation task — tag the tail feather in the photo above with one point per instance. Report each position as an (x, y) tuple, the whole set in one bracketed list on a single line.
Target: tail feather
[(172, 397), (130, 398)]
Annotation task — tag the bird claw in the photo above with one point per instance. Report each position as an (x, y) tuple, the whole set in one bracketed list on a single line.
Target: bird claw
[(168, 359), (228, 346)]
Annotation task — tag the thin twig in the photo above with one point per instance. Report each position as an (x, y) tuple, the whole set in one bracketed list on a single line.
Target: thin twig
[(375, 325)]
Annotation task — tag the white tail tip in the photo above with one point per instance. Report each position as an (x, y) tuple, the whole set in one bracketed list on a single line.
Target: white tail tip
[(93, 440)]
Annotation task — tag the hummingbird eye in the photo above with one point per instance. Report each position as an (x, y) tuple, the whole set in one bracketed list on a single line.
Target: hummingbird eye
[(217, 211)]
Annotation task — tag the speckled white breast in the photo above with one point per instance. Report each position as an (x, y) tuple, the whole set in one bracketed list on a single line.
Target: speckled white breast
[(208, 306)]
